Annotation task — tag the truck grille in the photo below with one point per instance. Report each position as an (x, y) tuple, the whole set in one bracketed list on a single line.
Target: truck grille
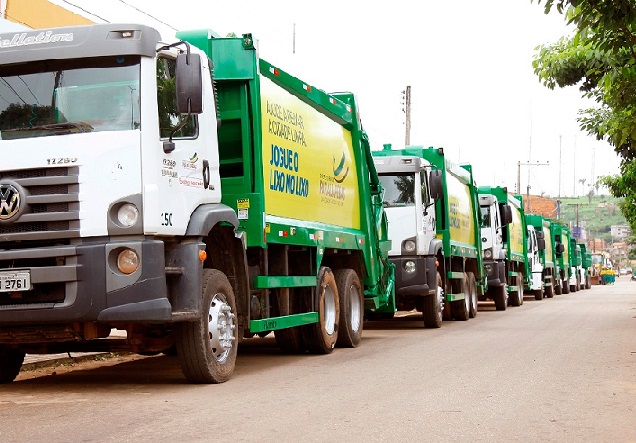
[(52, 205)]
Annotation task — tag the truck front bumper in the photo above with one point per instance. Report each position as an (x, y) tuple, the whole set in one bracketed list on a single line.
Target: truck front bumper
[(81, 283), (415, 275), (496, 271)]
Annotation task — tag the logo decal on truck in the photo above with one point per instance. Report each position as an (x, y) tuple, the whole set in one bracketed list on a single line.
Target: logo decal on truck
[(39, 39), (338, 170), (9, 201)]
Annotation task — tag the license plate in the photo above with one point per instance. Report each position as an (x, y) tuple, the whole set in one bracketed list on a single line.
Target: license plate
[(11, 281)]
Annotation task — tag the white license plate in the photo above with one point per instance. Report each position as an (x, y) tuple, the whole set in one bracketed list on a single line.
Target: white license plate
[(11, 281)]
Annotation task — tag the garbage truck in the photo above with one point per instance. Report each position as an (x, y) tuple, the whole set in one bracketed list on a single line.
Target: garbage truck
[(511, 248), (186, 192), (547, 255), (561, 238), (576, 266), (496, 216), (434, 221), (586, 267)]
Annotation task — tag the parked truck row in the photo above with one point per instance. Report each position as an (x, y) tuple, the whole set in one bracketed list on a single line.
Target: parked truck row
[(195, 195)]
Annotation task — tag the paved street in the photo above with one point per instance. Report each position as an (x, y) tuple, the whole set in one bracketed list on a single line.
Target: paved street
[(561, 369)]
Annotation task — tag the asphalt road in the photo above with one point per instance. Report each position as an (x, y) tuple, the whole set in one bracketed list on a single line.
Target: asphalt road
[(561, 369)]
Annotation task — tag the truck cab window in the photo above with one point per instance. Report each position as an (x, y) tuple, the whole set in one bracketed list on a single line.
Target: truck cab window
[(399, 190), (60, 97), (485, 215), (425, 197), (169, 119)]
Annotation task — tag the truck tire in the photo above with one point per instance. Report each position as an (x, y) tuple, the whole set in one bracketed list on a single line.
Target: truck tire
[(565, 287), (558, 289), (538, 294), (461, 308), (588, 282), (549, 289), (351, 308), (207, 347), (516, 297), (10, 363), (321, 337), (432, 306), (290, 340), (500, 297), (472, 289)]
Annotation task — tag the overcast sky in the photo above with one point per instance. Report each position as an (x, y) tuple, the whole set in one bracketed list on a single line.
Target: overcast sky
[(468, 64)]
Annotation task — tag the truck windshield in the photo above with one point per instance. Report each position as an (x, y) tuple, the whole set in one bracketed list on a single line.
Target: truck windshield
[(58, 97), (485, 216), (399, 190)]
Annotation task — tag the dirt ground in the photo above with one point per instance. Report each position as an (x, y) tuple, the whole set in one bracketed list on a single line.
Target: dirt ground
[(57, 367)]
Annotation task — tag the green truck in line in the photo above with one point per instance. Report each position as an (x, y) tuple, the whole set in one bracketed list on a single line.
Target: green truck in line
[(511, 248), (547, 255), (434, 226), (187, 192)]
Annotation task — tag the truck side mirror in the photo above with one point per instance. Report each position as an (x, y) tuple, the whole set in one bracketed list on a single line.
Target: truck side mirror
[(189, 84), (541, 236), (540, 243), (560, 248), (435, 184), (506, 214)]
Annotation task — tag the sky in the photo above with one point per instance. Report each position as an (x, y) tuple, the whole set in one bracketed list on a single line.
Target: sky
[(468, 63)]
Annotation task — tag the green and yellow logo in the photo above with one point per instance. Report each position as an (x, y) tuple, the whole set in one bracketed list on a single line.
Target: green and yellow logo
[(339, 176)]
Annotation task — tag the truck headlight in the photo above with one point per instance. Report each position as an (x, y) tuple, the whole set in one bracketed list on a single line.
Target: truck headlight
[(409, 245), (488, 253), (128, 215), (409, 267)]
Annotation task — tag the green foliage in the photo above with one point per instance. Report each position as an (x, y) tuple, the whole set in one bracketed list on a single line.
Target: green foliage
[(25, 116), (597, 216), (600, 59)]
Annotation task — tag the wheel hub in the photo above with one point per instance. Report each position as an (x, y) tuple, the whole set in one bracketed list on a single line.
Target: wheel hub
[(221, 327)]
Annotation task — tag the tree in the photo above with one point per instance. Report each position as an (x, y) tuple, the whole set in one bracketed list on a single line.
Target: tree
[(600, 58)]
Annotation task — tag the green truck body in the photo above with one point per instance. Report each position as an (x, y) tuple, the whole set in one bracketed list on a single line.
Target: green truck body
[(586, 266), (295, 165)]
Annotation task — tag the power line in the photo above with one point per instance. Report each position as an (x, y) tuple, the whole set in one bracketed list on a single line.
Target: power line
[(13, 90), (151, 16), (86, 11)]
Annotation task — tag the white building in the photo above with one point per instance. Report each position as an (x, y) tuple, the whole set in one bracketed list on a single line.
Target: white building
[(620, 232)]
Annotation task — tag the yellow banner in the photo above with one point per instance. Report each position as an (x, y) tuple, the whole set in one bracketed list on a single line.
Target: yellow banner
[(309, 169), (460, 210), (548, 244), (516, 231)]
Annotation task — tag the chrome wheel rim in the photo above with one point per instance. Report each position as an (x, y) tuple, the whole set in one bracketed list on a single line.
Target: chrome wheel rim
[(221, 328), (356, 308), (330, 310)]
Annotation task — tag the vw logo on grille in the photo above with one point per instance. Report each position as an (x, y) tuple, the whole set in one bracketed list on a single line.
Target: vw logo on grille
[(9, 201)]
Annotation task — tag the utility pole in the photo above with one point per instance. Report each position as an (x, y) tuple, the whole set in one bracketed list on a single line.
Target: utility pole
[(574, 165), (406, 103), (559, 166), (519, 165)]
